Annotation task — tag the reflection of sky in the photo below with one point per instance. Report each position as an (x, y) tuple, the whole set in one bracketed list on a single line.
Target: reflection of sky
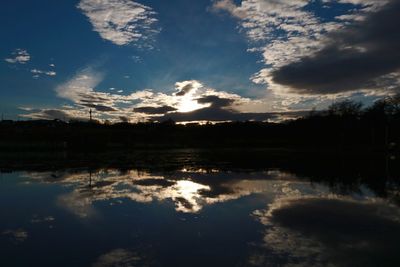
[(301, 224), (190, 190)]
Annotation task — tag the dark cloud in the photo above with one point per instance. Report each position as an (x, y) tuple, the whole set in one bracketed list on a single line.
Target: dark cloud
[(123, 119), (102, 108), (92, 101), (154, 110), (185, 89), (214, 114), (50, 114), (216, 101), (219, 111), (88, 98), (352, 59)]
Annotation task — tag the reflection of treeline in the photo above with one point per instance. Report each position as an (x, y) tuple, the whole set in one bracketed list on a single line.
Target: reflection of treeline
[(345, 125), (342, 172)]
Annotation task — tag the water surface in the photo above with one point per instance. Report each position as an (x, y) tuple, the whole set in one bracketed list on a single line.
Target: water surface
[(195, 216)]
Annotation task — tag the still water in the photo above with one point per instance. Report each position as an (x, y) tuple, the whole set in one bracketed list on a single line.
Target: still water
[(194, 217)]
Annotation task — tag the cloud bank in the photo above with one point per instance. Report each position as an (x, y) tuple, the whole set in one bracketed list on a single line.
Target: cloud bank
[(310, 58), (352, 58), (189, 101)]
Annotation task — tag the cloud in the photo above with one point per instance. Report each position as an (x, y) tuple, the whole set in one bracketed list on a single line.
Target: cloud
[(155, 110), (229, 6), (122, 22), (81, 87), (215, 114), (186, 87), (288, 32), (225, 107), (198, 103), (20, 56), (352, 59), (216, 101), (48, 73), (64, 114), (100, 107)]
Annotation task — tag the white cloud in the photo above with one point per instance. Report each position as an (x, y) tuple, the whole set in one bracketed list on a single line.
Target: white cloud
[(20, 56), (120, 21), (80, 85), (48, 73)]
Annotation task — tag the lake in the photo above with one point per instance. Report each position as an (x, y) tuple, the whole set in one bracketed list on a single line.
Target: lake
[(192, 214)]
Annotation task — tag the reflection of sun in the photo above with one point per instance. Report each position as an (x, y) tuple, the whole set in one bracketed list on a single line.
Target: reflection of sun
[(190, 193), (189, 189)]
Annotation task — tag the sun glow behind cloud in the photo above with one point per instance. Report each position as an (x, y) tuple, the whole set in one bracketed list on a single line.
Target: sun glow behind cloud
[(188, 92), (187, 104), (188, 96)]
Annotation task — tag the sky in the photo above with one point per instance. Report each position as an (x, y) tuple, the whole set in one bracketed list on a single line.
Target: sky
[(200, 60)]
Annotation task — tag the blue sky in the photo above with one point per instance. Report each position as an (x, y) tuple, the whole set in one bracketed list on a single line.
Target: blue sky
[(60, 58)]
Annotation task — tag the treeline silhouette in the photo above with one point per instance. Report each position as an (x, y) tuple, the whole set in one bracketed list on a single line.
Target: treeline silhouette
[(343, 126)]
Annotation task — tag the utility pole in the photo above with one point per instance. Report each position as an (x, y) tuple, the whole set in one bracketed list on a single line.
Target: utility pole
[(90, 115)]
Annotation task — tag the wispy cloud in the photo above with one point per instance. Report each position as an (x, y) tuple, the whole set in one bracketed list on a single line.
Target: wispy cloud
[(44, 72), (64, 113), (121, 21), (19, 56)]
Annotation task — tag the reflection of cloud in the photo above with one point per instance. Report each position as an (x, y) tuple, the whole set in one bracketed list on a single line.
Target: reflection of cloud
[(118, 257), (120, 21), (17, 236), (37, 219), (317, 231), (189, 190), (78, 202)]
